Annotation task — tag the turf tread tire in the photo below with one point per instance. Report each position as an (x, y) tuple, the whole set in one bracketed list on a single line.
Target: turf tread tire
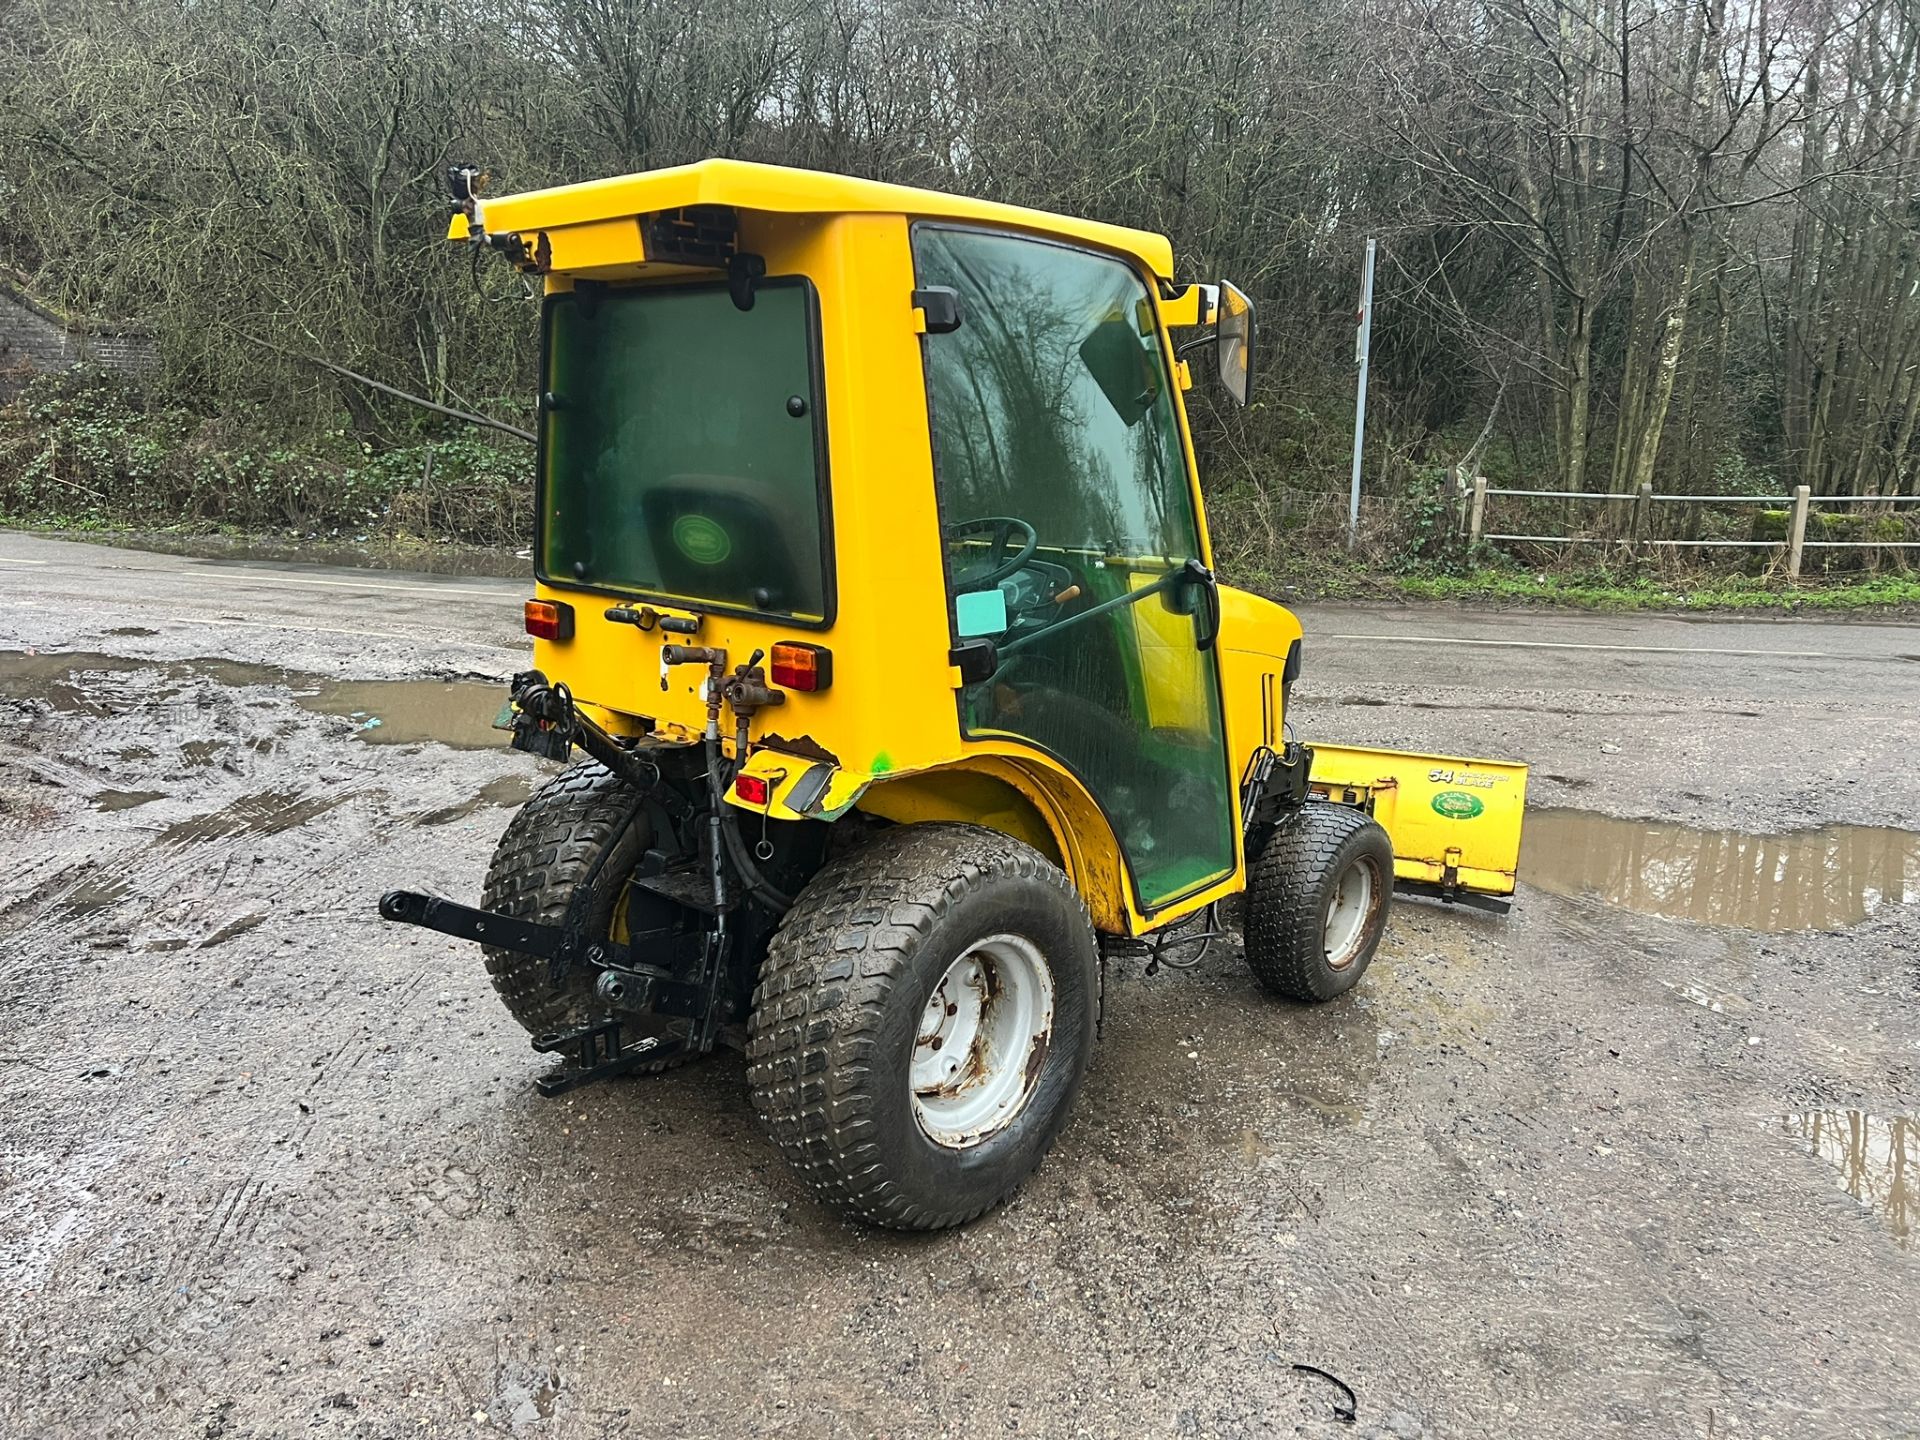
[(540, 860), (821, 1015), (1284, 926)]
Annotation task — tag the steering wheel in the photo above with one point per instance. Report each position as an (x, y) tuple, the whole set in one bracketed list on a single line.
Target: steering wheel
[(1002, 528)]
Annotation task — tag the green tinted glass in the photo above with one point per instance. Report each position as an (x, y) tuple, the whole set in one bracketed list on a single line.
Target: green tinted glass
[(681, 455), (1053, 391), (1063, 487)]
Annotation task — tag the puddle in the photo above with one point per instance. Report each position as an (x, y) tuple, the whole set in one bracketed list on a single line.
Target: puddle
[(1876, 1159), (526, 1396), (94, 894), (456, 713), (1800, 880), (272, 812), (126, 799)]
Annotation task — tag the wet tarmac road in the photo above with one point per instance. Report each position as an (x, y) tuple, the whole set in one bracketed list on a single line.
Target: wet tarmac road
[(270, 1168)]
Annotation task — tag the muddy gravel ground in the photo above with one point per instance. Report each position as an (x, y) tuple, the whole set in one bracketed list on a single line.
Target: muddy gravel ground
[(271, 1168)]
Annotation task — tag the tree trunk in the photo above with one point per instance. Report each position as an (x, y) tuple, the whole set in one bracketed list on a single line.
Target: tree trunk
[(1579, 393), (1666, 366), (1633, 384)]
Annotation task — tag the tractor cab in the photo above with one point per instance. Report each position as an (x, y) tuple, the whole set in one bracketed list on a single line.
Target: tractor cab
[(873, 584)]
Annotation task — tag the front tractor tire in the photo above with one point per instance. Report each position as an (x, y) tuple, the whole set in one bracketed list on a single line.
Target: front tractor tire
[(1317, 900), (923, 1023), (544, 857)]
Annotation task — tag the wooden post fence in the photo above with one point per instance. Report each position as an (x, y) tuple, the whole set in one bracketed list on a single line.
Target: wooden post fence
[(1797, 531)]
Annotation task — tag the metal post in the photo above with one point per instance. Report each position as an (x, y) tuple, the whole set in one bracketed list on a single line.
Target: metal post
[(1643, 513), (1797, 531), (1477, 523), (1363, 348)]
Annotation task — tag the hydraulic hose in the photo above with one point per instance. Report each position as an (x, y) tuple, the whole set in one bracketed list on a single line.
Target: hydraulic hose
[(727, 825), (758, 885)]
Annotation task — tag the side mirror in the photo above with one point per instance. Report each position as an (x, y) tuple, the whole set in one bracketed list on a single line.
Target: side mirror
[(1233, 338)]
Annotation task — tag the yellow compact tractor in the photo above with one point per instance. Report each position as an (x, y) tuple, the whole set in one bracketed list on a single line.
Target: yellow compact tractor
[(874, 588)]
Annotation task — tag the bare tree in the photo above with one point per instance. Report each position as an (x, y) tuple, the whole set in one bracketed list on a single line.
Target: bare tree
[(1642, 239)]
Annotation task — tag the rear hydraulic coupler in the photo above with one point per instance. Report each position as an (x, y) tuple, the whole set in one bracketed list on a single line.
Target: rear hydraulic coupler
[(544, 721), (715, 660), (547, 723), (747, 691)]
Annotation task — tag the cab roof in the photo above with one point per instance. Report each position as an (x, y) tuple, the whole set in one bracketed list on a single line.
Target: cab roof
[(783, 190)]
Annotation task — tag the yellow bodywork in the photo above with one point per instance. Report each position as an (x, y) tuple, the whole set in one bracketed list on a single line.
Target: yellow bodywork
[(887, 730), (592, 232)]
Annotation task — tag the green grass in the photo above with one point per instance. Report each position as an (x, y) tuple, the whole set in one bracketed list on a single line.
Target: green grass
[(1329, 573), (1624, 592), (1326, 573)]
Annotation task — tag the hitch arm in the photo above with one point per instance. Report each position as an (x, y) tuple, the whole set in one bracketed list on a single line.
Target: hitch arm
[(504, 932)]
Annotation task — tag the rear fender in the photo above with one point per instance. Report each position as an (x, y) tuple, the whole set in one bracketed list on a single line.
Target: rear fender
[(973, 797), (1019, 796), (1001, 788)]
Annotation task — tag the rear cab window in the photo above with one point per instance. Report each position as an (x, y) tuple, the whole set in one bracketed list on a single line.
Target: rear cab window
[(683, 456)]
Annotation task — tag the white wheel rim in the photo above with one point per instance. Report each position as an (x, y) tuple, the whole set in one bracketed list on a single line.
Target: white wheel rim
[(1347, 915), (982, 1042)]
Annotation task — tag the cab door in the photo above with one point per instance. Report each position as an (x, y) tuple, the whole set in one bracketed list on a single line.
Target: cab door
[(1072, 542)]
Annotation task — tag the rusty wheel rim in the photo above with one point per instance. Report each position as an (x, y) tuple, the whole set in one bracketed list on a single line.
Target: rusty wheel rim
[(1349, 914), (982, 1041)]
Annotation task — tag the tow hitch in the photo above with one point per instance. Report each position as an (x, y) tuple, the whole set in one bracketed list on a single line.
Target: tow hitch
[(684, 916), (595, 1050)]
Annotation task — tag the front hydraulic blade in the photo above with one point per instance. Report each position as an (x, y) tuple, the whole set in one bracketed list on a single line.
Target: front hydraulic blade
[(1454, 822)]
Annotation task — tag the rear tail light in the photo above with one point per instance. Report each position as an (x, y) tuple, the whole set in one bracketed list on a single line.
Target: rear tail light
[(549, 619), (796, 666), (750, 788)]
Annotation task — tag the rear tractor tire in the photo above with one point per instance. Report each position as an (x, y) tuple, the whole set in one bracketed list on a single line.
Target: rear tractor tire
[(1317, 900), (923, 1022), (542, 860)]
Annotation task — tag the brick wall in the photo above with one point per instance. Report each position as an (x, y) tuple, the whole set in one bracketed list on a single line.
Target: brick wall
[(34, 339)]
